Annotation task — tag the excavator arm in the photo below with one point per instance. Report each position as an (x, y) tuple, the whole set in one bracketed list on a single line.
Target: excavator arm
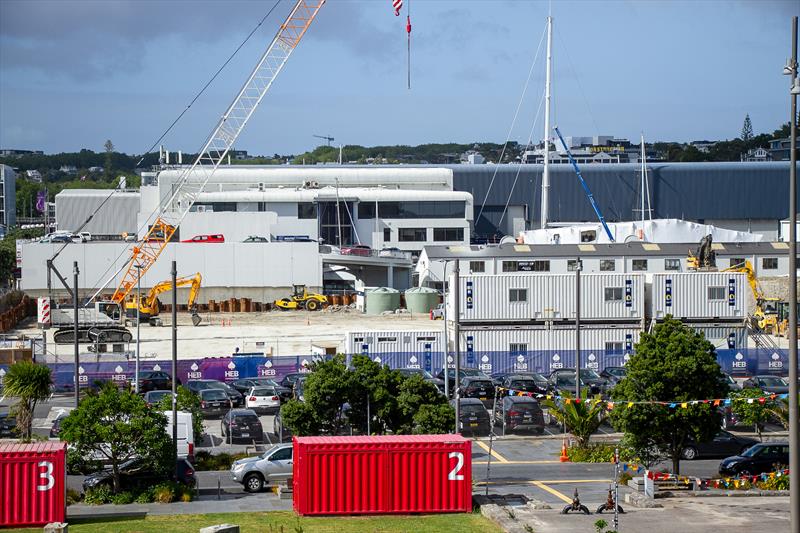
[(166, 286)]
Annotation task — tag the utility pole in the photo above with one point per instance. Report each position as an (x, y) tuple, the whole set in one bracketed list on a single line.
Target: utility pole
[(75, 272), (456, 338), (546, 170), (138, 320), (578, 267), (175, 360), (794, 429), (446, 339)]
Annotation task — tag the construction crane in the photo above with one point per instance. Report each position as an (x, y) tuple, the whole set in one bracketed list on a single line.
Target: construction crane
[(766, 312), (326, 137), (149, 306), (194, 178), (584, 185)]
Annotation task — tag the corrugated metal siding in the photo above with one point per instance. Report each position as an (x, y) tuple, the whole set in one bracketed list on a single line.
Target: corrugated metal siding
[(723, 337), (404, 342), (118, 215), (551, 297), (686, 295), (32, 484)]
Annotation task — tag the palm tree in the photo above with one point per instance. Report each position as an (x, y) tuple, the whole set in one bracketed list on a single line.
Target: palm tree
[(780, 410), (579, 418), (29, 383)]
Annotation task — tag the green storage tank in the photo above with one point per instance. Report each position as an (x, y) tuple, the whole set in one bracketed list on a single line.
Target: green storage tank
[(421, 299), (381, 299)]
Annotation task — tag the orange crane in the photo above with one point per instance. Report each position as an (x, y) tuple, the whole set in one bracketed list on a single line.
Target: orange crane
[(194, 178)]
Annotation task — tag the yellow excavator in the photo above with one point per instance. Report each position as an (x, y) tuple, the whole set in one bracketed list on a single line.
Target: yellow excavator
[(149, 306), (766, 312), (302, 299)]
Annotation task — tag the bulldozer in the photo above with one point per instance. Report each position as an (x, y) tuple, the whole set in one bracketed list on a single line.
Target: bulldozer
[(149, 306), (302, 299), (766, 311)]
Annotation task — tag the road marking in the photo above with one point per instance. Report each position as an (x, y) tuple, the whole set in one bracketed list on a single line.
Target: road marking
[(552, 491), (536, 481), (541, 462), (493, 452)]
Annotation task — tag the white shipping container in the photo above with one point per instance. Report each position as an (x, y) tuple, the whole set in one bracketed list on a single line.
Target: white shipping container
[(501, 339), (389, 342), (723, 337), (545, 297), (700, 295)]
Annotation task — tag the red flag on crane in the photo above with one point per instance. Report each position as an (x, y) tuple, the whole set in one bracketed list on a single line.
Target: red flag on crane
[(397, 5)]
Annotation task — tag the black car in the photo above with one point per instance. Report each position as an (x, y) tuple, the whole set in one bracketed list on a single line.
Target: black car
[(244, 386), (732, 384), (589, 379), (761, 458), (197, 385), (283, 432), (519, 414), (299, 387), (477, 387), (214, 402), (154, 380), (462, 373), (768, 384), (242, 424), (8, 425), (289, 379), (540, 380), (55, 429), (473, 418), (723, 444), (155, 396), (439, 383), (138, 474), (517, 382), (613, 374)]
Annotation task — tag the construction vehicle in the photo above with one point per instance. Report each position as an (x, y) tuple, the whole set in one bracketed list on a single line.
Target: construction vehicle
[(704, 257), (766, 312), (782, 328), (302, 299), (149, 306)]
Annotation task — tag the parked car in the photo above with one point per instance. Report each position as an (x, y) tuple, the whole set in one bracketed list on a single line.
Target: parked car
[(473, 418), (155, 396), (207, 238), (8, 425), (477, 387), (462, 372), (83, 236), (390, 252), (55, 429), (521, 382), (732, 384), (518, 414), (138, 473), (244, 385), (357, 249), (255, 473), (730, 418), (154, 380), (57, 239), (768, 384), (256, 238), (437, 313), (241, 424), (758, 459), (280, 430), (299, 387), (214, 402), (197, 385), (289, 379), (541, 380), (564, 382), (439, 383), (262, 400), (589, 378), (723, 444), (613, 374)]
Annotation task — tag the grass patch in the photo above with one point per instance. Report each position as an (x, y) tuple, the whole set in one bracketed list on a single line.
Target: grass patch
[(288, 522)]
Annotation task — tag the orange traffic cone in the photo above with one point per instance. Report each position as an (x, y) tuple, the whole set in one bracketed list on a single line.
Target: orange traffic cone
[(564, 457)]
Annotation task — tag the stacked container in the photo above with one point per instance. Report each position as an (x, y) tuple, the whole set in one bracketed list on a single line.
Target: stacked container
[(33, 484), (380, 475), (700, 296)]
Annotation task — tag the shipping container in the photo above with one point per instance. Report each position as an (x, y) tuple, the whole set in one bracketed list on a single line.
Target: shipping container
[(33, 484), (388, 342), (550, 297), (382, 475), (700, 296), (723, 336)]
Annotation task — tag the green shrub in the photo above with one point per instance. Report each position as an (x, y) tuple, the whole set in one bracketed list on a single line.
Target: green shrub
[(205, 461), (165, 492), (98, 495), (597, 453), (123, 498), (73, 496), (146, 496), (775, 483)]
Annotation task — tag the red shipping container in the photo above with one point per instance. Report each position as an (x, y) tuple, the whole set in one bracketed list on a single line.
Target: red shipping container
[(377, 475), (33, 483)]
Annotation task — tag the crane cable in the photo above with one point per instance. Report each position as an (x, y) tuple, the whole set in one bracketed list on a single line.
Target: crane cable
[(511, 129)]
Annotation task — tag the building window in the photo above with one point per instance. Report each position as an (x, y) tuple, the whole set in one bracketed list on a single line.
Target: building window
[(612, 294), (426, 339), (412, 234), (737, 262), (588, 236), (421, 209), (306, 210), (770, 263), (517, 295), (639, 265), (477, 267), (608, 265), (358, 339), (517, 348), (716, 293), (672, 264), (387, 339), (510, 266), (613, 348), (448, 234), (366, 210)]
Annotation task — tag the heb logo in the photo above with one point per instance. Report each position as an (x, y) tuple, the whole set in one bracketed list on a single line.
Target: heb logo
[(83, 379), (194, 375), (233, 374), (775, 364), (266, 372), (593, 366), (119, 378), (556, 365), (485, 366), (739, 364), (521, 366)]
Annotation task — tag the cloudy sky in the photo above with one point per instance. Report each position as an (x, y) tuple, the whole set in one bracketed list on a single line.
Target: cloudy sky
[(74, 73)]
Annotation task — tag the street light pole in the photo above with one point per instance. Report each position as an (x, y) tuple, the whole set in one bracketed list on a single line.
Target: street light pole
[(457, 337), (578, 267), (794, 430), (75, 272), (138, 320), (175, 359)]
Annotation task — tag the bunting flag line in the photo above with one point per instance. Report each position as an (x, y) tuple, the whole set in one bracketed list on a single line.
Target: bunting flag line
[(717, 483)]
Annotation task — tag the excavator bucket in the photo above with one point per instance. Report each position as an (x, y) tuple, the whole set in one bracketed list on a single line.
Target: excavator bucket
[(196, 319)]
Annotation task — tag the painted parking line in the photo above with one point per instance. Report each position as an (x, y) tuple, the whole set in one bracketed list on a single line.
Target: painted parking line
[(549, 481), (539, 462), (493, 452), (551, 490)]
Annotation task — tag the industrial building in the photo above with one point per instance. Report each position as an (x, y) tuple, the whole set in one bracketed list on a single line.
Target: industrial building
[(8, 197)]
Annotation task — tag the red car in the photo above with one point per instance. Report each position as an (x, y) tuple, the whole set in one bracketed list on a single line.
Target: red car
[(206, 238), (357, 249)]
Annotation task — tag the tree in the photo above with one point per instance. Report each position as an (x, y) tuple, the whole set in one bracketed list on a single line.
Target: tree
[(117, 425), (779, 410), (416, 393), (579, 418), (747, 129), (374, 388), (325, 391), (109, 147), (750, 410), (675, 365), (434, 419), (30, 384), (300, 418), (189, 402)]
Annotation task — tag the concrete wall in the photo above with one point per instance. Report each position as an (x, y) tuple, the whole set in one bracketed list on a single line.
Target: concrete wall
[(262, 271)]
